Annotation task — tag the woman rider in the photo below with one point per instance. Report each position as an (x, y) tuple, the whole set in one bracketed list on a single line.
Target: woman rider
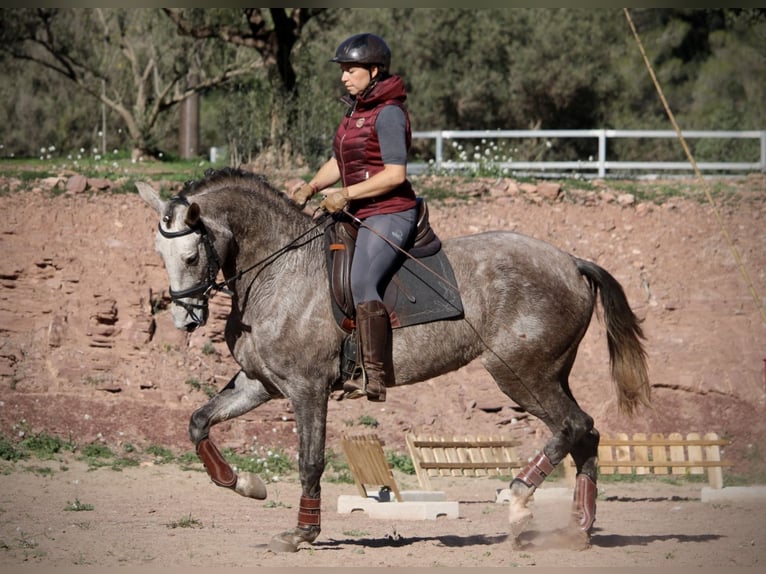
[(370, 160)]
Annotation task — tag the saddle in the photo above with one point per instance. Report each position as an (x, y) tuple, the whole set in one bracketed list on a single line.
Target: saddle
[(422, 290)]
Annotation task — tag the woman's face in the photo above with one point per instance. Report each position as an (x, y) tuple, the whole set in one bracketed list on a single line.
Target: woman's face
[(356, 78)]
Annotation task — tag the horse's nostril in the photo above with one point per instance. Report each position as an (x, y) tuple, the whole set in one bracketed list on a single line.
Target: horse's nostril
[(191, 327)]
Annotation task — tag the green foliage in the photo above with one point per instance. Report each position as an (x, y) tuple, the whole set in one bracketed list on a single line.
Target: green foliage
[(185, 522), (77, 506), (190, 461), (207, 388), (97, 455), (368, 421), (336, 468), (208, 348), (11, 451), (491, 68), (401, 462), (161, 454), (269, 464), (39, 445)]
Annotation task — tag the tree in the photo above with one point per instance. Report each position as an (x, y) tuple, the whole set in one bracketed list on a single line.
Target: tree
[(271, 34), (129, 59)]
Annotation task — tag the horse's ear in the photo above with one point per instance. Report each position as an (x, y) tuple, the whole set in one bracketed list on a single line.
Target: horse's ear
[(192, 215), (150, 196)]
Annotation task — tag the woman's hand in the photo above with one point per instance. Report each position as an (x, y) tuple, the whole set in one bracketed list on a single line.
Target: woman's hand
[(302, 193), (335, 201)]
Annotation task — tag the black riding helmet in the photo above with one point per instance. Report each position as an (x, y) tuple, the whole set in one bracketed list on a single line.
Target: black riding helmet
[(367, 49)]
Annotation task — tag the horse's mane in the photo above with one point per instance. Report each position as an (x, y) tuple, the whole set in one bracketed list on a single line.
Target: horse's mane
[(233, 178)]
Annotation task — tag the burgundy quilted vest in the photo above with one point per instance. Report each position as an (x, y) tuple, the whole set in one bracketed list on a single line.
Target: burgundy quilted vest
[(357, 148)]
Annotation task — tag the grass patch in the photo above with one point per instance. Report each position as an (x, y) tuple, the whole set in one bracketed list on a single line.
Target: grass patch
[(632, 477), (40, 470), (207, 388), (37, 445), (336, 468), (269, 464), (190, 461), (401, 462), (100, 456), (77, 506), (185, 522), (161, 455), (368, 421)]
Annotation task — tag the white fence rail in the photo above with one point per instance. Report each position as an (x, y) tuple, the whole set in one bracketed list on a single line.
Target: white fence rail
[(600, 165)]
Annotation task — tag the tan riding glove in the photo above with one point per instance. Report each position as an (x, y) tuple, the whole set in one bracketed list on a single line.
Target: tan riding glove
[(303, 194), (335, 201)]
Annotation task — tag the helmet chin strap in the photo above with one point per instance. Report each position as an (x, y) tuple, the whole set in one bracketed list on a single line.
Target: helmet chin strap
[(373, 82)]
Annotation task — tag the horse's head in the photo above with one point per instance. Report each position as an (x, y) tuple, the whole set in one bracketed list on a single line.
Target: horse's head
[(192, 249)]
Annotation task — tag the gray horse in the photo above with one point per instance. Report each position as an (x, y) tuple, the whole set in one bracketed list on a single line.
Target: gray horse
[(527, 306)]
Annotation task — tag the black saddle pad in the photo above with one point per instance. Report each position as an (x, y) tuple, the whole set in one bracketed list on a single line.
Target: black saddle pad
[(424, 290)]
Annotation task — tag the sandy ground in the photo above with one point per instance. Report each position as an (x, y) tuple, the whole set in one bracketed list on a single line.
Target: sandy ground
[(162, 516)]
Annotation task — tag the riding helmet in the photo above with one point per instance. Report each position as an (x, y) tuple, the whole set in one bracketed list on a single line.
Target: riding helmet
[(367, 49)]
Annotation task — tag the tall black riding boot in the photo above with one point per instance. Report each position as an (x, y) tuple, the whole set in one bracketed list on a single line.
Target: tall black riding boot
[(376, 339)]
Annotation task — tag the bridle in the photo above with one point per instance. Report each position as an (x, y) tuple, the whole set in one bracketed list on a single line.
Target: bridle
[(209, 285), (207, 288)]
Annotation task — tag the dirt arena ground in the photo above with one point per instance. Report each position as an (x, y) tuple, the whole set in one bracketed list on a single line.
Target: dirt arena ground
[(162, 516)]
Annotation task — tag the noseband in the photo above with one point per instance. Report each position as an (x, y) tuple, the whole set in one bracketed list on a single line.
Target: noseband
[(205, 288)]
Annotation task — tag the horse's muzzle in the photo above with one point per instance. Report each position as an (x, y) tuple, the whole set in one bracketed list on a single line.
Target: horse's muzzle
[(188, 316)]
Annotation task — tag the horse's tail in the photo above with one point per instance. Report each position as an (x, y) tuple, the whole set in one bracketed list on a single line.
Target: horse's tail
[(624, 335)]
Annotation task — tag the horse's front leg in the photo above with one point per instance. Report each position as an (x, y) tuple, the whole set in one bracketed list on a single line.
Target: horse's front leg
[(239, 396), (311, 421)]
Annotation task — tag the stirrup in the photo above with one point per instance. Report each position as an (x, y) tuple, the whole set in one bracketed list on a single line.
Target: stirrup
[(351, 391), (355, 388)]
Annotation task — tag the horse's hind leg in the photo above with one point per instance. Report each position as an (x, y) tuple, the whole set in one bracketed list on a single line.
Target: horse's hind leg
[(548, 397), (239, 396), (573, 434), (585, 455)]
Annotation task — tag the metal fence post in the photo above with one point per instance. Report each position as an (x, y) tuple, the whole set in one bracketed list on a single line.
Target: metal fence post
[(439, 149), (602, 153)]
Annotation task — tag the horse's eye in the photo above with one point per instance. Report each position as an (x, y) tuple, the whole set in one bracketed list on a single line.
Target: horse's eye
[(191, 259)]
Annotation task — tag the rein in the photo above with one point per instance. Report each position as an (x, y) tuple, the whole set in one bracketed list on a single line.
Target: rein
[(209, 287)]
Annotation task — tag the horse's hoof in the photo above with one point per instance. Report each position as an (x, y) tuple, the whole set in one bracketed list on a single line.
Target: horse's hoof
[(519, 523), (289, 540), (250, 485), (519, 516)]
